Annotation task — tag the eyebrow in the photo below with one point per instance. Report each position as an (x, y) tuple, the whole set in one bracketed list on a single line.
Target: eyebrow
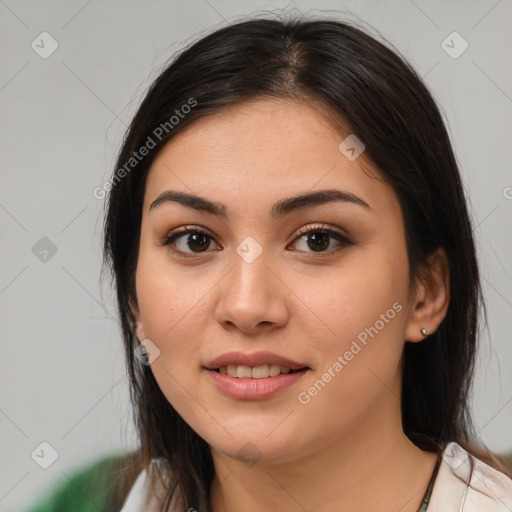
[(279, 209)]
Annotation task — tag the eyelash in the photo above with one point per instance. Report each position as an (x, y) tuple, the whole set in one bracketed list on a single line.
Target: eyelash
[(319, 228)]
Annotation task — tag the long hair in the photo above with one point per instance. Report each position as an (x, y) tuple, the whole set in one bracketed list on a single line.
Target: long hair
[(367, 89)]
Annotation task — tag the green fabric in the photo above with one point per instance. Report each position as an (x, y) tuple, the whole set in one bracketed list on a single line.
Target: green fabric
[(93, 489), (88, 489)]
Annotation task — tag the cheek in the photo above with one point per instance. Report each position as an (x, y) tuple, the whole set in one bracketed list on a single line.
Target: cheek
[(168, 296), (365, 292), (174, 319)]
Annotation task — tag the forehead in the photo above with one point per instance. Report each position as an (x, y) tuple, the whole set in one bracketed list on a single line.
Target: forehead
[(259, 152)]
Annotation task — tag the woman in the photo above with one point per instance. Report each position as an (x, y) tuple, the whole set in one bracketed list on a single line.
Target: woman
[(297, 282)]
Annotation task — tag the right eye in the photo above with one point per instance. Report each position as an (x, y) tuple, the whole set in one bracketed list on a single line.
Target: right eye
[(187, 238)]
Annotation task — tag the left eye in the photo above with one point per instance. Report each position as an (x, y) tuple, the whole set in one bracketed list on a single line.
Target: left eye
[(317, 238)]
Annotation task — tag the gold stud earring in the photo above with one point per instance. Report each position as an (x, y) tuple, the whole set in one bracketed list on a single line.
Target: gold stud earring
[(424, 332)]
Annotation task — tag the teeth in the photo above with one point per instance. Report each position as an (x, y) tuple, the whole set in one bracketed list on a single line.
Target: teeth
[(255, 372), (243, 372), (274, 370)]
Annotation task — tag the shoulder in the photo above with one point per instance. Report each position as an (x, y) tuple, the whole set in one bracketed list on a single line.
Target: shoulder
[(137, 499), (467, 483), (142, 496)]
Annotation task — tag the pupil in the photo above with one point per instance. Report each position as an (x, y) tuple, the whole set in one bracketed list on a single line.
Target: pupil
[(197, 236), (319, 237)]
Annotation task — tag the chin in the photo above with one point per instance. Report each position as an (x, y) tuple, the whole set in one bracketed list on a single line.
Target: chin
[(256, 449)]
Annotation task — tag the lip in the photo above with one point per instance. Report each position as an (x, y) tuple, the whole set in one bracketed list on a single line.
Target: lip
[(255, 359), (255, 389)]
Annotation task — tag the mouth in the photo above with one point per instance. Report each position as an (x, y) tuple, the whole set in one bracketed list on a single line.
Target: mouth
[(261, 382)]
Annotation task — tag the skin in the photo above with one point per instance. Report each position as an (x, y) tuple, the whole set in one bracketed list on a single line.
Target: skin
[(345, 449)]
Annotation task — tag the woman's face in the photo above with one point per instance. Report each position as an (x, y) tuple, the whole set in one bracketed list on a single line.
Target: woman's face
[(336, 303)]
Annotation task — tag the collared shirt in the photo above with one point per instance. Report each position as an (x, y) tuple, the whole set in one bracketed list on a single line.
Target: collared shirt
[(455, 487)]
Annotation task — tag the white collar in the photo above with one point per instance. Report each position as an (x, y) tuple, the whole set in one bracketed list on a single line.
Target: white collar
[(488, 490)]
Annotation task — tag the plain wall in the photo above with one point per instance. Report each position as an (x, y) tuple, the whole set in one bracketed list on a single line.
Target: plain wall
[(63, 377)]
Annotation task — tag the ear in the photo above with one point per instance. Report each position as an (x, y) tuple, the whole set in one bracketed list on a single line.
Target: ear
[(138, 322), (432, 298)]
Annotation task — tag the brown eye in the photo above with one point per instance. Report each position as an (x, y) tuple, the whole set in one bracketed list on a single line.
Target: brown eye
[(319, 239), (188, 241), (198, 241)]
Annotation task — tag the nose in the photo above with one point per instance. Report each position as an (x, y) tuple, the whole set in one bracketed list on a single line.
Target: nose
[(253, 297)]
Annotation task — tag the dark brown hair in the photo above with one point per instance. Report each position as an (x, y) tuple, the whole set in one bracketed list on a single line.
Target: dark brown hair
[(370, 91)]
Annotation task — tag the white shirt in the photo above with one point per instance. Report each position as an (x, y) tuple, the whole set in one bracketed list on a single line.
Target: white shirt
[(488, 491)]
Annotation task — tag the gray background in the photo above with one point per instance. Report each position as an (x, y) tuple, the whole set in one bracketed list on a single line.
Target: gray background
[(62, 374)]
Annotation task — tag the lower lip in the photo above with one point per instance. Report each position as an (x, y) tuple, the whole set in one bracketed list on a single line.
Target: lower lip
[(254, 389)]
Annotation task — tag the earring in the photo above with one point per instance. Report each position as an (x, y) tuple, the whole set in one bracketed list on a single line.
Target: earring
[(424, 332)]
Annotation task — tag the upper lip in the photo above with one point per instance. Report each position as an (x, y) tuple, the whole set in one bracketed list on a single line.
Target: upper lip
[(255, 359)]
